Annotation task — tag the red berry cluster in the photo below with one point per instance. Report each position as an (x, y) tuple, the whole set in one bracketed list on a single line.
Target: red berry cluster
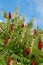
[(27, 51), (9, 60), (40, 44), (11, 27), (33, 63), (6, 40), (35, 32), (9, 15), (22, 25)]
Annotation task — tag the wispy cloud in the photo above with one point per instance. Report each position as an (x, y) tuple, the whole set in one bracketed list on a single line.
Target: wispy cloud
[(34, 8), (39, 9)]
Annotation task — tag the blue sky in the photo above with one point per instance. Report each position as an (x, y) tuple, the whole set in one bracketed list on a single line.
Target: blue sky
[(29, 8)]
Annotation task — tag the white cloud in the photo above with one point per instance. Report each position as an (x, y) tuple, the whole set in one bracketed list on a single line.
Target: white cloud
[(1, 21), (39, 7), (39, 10)]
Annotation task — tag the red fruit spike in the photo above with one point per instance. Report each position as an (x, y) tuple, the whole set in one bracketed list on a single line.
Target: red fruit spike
[(22, 25), (6, 40), (35, 32), (11, 27), (40, 44), (27, 51), (9, 15), (9, 60), (33, 63)]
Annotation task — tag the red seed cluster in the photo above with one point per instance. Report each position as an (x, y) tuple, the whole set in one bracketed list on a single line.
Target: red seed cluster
[(33, 63), (6, 40), (27, 51), (40, 44)]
